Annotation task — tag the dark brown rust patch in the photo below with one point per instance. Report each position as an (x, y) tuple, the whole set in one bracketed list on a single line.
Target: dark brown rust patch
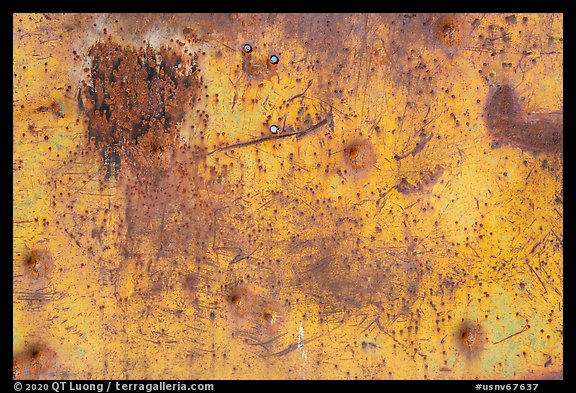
[(532, 132), (38, 264), (134, 102), (359, 155)]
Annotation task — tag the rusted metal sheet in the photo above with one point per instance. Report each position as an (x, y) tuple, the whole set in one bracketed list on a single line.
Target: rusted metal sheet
[(292, 196)]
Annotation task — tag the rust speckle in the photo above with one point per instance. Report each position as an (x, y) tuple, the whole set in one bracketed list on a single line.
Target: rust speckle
[(190, 34), (218, 181), (511, 19), (369, 346)]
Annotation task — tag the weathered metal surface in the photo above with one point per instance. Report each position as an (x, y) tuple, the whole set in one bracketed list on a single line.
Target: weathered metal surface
[(347, 196)]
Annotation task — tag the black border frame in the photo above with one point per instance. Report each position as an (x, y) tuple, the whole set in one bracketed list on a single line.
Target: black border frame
[(348, 6)]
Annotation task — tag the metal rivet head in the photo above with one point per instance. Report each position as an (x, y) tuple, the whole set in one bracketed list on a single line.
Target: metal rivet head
[(274, 59), (247, 48), (274, 129)]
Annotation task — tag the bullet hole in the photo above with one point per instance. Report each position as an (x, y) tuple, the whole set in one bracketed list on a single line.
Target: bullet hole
[(274, 129), (240, 299), (247, 48), (35, 363), (270, 316), (274, 59), (38, 263), (40, 360), (448, 31), (18, 370), (359, 155), (470, 337)]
